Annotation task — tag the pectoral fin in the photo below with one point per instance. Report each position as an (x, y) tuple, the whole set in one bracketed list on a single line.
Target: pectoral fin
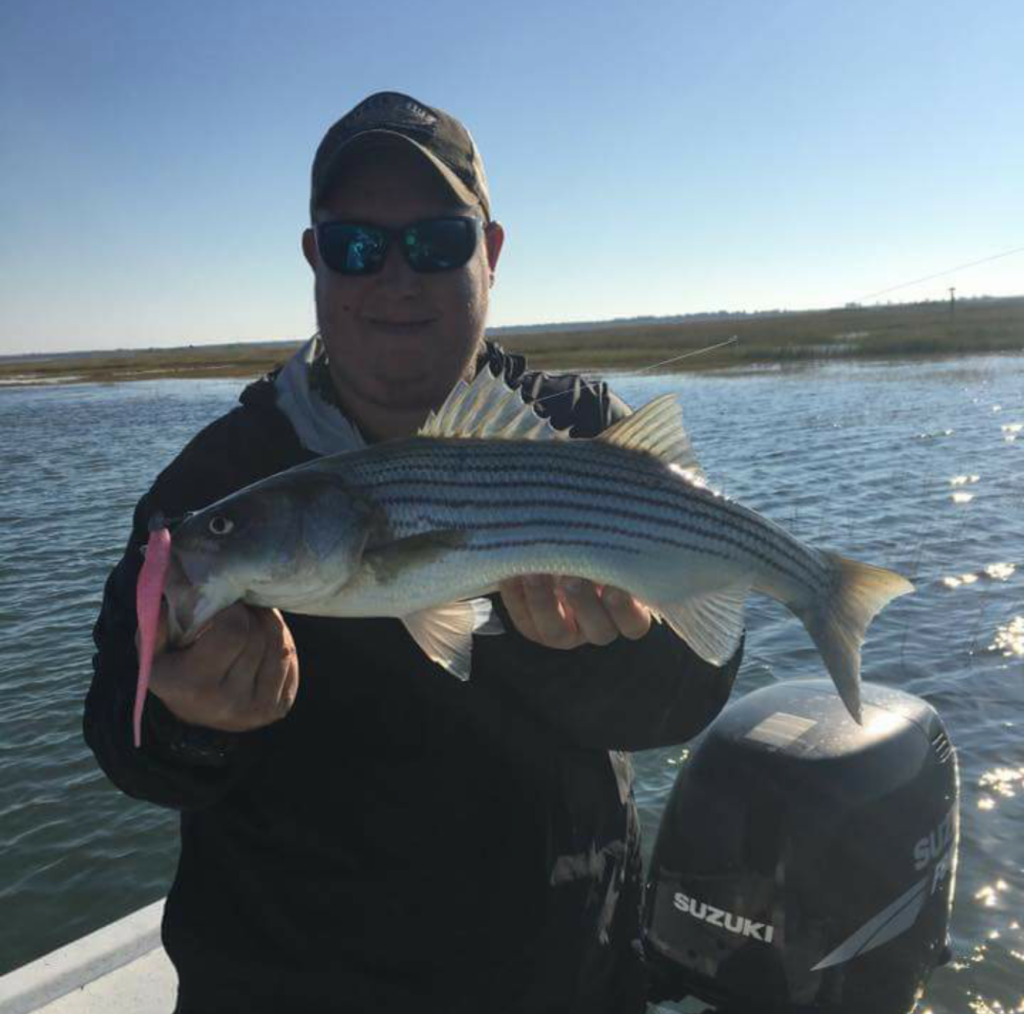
[(390, 560), (445, 633)]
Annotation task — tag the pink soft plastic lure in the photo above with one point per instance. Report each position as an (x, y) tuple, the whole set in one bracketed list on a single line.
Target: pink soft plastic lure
[(148, 593)]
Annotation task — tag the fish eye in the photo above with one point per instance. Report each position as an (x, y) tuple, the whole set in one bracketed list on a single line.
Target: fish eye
[(221, 525)]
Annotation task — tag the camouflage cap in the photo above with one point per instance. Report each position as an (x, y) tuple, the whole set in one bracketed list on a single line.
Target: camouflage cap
[(440, 138)]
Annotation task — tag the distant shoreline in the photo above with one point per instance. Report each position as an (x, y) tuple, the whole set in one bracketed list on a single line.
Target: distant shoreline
[(907, 331)]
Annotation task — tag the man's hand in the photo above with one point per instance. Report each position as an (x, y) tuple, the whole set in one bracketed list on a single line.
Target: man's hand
[(565, 612), (242, 673)]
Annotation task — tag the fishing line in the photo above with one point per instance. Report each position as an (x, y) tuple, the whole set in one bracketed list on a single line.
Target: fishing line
[(694, 352), (653, 366)]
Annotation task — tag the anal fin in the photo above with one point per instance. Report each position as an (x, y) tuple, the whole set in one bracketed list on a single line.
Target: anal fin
[(445, 633), (710, 624)]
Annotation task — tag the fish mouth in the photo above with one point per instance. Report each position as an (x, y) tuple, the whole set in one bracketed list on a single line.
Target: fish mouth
[(190, 607)]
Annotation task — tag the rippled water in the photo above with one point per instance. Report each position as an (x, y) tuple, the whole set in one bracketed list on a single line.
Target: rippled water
[(916, 466)]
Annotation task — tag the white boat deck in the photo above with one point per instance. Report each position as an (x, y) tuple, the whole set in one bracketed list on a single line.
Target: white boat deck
[(120, 969)]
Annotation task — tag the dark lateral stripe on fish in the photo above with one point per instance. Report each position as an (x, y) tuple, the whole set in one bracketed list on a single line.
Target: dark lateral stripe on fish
[(598, 460), (684, 496), (593, 526), (514, 483), (604, 462), (517, 454), (773, 551), (602, 459), (718, 534), (649, 474), (526, 543), (526, 459), (752, 537)]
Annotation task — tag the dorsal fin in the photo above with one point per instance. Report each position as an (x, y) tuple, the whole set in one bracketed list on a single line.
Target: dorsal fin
[(657, 428), (487, 408)]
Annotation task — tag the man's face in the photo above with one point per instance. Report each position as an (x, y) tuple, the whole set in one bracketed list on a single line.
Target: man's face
[(397, 340)]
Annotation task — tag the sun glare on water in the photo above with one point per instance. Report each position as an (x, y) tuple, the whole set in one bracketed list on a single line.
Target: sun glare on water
[(1010, 639), (993, 571)]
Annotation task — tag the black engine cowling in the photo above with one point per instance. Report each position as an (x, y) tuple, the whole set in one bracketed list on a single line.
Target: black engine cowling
[(805, 863)]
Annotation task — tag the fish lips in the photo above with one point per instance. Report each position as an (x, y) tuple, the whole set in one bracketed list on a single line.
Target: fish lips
[(190, 606)]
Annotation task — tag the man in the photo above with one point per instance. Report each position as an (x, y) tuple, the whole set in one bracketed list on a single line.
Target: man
[(360, 831)]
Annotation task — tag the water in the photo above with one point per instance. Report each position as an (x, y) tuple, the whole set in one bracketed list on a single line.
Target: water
[(917, 466)]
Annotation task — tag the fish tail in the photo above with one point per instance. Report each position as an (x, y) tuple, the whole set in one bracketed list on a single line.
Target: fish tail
[(838, 621)]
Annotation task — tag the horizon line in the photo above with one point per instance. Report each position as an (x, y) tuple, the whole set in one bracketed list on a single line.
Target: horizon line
[(606, 322)]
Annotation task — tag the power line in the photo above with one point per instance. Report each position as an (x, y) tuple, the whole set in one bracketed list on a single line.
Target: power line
[(948, 271), (881, 292)]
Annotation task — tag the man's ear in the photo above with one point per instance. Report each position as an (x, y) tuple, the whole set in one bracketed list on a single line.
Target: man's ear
[(494, 238), (309, 250)]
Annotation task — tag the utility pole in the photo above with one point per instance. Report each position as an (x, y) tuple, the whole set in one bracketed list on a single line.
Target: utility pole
[(952, 301)]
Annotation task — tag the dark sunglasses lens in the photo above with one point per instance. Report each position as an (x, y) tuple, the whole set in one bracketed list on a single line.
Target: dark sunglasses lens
[(440, 244), (352, 249)]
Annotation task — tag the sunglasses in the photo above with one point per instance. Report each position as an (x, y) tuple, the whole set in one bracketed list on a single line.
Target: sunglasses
[(429, 246)]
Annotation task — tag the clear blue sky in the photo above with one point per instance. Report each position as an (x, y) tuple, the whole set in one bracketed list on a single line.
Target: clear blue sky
[(645, 158)]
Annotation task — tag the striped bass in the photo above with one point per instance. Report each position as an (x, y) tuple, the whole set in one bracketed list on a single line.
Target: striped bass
[(422, 528)]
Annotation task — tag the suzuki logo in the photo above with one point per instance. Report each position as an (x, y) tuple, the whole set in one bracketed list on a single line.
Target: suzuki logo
[(738, 924)]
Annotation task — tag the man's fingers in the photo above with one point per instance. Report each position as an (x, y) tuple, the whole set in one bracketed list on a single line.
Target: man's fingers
[(536, 612), (567, 612), (514, 598), (631, 618), (289, 689), (555, 626), (592, 619), (269, 695), (241, 674)]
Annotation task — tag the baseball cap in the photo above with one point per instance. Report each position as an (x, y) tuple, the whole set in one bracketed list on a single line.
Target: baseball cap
[(438, 136)]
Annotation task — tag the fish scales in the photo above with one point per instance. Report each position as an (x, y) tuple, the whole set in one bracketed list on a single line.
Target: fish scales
[(517, 462), (700, 503), (438, 486), (432, 474)]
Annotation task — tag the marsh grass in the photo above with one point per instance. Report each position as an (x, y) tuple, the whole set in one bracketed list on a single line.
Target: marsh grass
[(194, 361), (924, 329), (908, 330)]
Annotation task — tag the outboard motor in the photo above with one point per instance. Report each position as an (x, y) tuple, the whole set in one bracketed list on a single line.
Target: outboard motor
[(806, 863)]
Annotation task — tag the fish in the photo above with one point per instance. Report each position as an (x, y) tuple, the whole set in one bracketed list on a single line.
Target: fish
[(424, 528)]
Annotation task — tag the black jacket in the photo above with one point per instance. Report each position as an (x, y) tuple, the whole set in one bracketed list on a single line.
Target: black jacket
[(401, 840)]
